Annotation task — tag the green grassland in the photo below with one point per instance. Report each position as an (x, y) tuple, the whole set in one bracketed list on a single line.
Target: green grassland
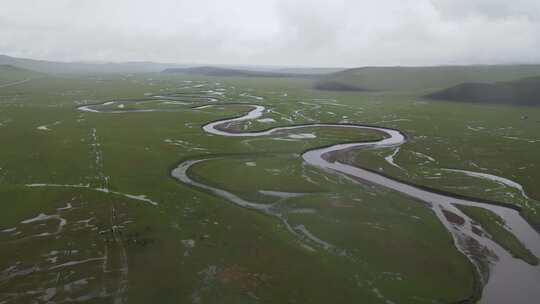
[(194, 247)]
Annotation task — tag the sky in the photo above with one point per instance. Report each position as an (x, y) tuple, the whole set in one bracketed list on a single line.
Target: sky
[(339, 33)]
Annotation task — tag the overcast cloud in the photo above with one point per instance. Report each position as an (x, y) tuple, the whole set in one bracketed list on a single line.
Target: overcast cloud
[(274, 32)]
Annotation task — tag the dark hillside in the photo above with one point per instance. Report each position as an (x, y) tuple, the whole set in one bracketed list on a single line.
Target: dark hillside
[(426, 78), (522, 92)]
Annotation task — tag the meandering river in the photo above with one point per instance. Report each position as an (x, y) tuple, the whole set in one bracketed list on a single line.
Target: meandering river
[(510, 280)]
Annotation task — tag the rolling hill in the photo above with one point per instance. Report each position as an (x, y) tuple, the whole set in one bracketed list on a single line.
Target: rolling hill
[(54, 67), (424, 78), (11, 74), (521, 92)]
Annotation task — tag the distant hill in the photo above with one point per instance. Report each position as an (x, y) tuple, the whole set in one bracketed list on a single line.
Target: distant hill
[(10, 74), (11, 68), (426, 78), (226, 72), (521, 92), (53, 67)]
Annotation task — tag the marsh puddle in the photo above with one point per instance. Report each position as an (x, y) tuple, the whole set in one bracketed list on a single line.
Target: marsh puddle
[(46, 264)]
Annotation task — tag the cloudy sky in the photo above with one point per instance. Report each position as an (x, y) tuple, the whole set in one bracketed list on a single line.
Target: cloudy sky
[(274, 32)]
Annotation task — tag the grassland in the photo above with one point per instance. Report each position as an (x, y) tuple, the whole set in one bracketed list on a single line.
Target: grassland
[(199, 248)]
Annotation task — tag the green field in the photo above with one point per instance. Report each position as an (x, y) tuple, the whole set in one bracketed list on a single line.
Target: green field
[(115, 227)]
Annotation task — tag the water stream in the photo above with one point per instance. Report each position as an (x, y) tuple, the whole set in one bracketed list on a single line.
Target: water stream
[(510, 280)]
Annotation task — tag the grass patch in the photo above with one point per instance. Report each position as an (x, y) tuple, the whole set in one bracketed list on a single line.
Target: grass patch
[(494, 225)]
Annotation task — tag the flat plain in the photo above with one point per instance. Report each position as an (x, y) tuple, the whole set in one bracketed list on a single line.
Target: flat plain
[(91, 212)]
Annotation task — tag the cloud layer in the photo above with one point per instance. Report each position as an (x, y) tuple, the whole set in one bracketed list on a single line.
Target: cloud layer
[(274, 32)]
